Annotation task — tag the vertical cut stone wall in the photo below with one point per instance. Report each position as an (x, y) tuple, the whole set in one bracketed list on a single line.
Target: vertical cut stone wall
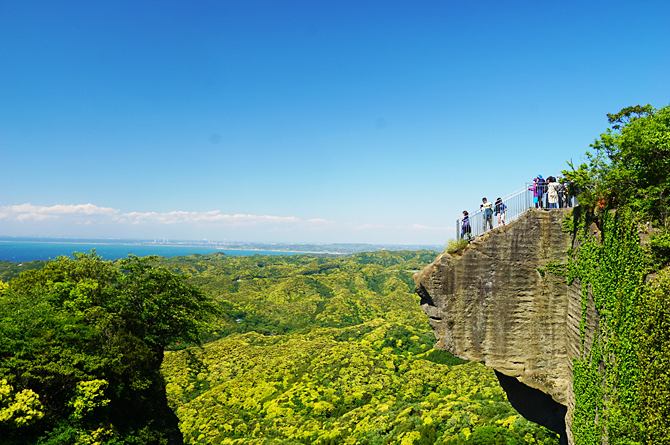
[(497, 304)]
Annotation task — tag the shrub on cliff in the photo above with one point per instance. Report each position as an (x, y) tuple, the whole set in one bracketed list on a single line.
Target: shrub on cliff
[(454, 246)]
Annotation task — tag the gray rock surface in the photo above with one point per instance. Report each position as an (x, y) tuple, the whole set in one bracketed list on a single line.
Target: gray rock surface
[(496, 303)]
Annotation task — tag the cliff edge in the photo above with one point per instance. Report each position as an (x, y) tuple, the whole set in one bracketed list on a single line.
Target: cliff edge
[(496, 303)]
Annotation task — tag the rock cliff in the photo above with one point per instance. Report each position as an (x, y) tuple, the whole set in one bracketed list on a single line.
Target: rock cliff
[(496, 303)]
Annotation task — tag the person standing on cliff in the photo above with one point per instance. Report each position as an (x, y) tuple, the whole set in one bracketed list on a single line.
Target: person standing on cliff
[(541, 190), (500, 209), (552, 193), (537, 193), (561, 192), (570, 191), (465, 225), (487, 212)]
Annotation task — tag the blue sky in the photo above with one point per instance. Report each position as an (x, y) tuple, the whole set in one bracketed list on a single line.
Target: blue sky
[(304, 121)]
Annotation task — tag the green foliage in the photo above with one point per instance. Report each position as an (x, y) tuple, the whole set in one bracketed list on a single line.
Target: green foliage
[(620, 380), (360, 384), (589, 399), (625, 116), (305, 350), (443, 358), (613, 272), (658, 248), (517, 433), (81, 344), (630, 165), (9, 270), (89, 395), (454, 246), (621, 386), (654, 356), (285, 294), (327, 350), (18, 409)]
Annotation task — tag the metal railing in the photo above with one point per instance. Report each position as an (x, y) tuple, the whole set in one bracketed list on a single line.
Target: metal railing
[(515, 204)]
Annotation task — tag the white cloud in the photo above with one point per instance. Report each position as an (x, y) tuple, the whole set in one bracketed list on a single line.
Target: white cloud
[(82, 218), (34, 216), (213, 216), (85, 209), (74, 213), (29, 212)]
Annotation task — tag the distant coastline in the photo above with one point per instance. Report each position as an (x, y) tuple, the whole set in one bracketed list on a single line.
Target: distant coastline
[(285, 251), (31, 249), (332, 249)]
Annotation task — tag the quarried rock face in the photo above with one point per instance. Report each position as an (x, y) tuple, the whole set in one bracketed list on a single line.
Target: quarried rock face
[(497, 304)]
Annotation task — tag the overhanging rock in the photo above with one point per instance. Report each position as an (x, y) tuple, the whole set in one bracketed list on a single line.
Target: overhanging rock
[(496, 303)]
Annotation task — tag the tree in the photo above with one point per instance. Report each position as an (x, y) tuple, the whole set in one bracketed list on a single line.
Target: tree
[(630, 165), (625, 116), (86, 337)]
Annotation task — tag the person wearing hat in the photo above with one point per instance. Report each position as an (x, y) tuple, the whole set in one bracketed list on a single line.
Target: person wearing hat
[(537, 192)]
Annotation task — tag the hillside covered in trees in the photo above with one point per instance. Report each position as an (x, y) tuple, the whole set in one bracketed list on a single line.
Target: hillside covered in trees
[(296, 349), (329, 351)]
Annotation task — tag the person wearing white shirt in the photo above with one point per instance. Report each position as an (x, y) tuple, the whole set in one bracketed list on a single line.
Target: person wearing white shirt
[(487, 213)]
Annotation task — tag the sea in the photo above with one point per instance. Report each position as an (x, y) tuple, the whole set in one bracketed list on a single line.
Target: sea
[(24, 251)]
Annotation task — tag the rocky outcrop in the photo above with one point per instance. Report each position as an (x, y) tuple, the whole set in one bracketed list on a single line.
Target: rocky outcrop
[(497, 303)]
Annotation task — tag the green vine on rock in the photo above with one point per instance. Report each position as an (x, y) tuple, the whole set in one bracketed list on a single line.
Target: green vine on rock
[(588, 384), (620, 258), (606, 377)]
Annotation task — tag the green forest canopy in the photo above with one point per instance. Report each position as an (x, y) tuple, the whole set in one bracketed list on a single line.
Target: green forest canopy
[(329, 340), (81, 345)]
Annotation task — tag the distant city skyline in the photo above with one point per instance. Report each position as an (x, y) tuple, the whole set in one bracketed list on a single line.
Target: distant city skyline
[(306, 122)]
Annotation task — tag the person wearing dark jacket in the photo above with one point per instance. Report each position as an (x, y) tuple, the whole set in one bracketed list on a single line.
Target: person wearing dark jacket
[(542, 190), (465, 225), (499, 209)]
